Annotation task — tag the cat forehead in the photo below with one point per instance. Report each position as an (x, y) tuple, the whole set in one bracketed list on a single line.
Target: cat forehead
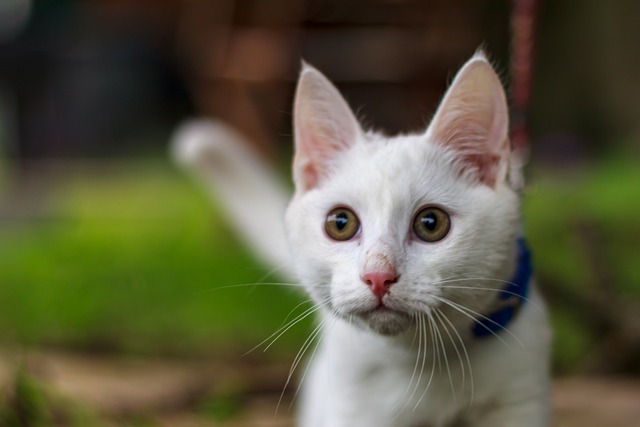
[(401, 170)]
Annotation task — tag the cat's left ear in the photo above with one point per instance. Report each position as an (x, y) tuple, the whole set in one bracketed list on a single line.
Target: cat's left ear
[(473, 120), (324, 126)]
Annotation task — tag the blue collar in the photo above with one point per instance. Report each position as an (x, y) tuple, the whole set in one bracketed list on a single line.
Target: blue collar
[(511, 298)]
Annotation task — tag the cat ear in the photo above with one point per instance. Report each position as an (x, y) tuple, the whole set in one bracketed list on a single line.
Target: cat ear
[(473, 120), (324, 126)]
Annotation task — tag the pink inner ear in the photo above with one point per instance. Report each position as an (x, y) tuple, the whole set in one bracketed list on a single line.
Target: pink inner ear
[(473, 121), (306, 173), (482, 139), (324, 126), (310, 176), (485, 157), (487, 167), (315, 150)]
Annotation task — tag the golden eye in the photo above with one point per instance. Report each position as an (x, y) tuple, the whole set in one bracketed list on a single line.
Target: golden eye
[(342, 224), (431, 224)]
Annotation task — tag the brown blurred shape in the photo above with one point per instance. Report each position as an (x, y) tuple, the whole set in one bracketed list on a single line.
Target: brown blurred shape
[(394, 56)]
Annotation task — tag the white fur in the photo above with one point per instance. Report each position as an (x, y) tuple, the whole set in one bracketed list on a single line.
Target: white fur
[(415, 363), (363, 378), (406, 365), (251, 194)]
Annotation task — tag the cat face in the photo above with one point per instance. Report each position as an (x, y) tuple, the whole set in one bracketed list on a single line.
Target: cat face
[(384, 229)]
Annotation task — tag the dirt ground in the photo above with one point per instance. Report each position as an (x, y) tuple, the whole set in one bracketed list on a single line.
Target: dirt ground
[(209, 394)]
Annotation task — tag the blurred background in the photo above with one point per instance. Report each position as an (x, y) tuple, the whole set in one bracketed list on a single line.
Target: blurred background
[(116, 270)]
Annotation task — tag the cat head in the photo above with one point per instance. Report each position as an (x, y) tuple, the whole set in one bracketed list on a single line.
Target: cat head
[(383, 229)]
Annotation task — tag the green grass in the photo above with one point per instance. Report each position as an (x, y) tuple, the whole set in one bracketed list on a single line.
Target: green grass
[(564, 213), (132, 262), (584, 228), (27, 402), (131, 259)]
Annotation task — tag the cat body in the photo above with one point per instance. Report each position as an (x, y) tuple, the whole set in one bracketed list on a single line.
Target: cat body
[(404, 243)]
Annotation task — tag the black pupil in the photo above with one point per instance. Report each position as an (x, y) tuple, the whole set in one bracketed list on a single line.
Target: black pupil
[(430, 221), (342, 220)]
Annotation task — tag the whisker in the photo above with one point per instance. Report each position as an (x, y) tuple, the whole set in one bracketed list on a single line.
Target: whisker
[(282, 330), (464, 349), (434, 339), (420, 357), (307, 301), (273, 271), (334, 319), (415, 332), (418, 334), (307, 313), (504, 291), (474, 315), (438, 317), (486, 279), (296, 361), (251, 285), (433, 369), (444, 353)]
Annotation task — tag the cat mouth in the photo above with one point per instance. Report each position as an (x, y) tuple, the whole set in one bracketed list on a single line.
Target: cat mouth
[(386, 320), (383, 308)]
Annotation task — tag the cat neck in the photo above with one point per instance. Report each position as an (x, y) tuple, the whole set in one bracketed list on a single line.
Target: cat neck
[(510, 299)]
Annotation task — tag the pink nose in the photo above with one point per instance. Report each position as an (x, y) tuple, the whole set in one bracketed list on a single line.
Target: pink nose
[(380, 282)]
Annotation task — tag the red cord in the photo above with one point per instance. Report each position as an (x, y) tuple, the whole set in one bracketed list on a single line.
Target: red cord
[(523, 31)]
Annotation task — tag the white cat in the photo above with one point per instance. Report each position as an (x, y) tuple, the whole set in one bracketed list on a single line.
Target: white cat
[(411, 248)]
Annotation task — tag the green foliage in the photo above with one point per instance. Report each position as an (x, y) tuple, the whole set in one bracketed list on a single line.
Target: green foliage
[(222, 405), (27, 403), (584, 230), (24, 405), (134, 260)]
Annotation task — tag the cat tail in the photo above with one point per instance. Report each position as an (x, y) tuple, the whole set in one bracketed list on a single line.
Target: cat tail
[(243, 185)]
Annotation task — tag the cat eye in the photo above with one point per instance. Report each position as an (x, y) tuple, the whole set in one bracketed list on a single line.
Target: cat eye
[(431, 224), (342, 224)]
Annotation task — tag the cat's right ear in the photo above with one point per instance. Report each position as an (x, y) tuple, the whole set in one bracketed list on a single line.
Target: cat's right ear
[(324, 126)]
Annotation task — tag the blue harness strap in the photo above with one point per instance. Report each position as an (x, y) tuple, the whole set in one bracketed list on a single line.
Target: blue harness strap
[(511, 298)]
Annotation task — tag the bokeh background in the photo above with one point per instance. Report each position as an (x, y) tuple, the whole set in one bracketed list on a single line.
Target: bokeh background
[(111, 255)]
